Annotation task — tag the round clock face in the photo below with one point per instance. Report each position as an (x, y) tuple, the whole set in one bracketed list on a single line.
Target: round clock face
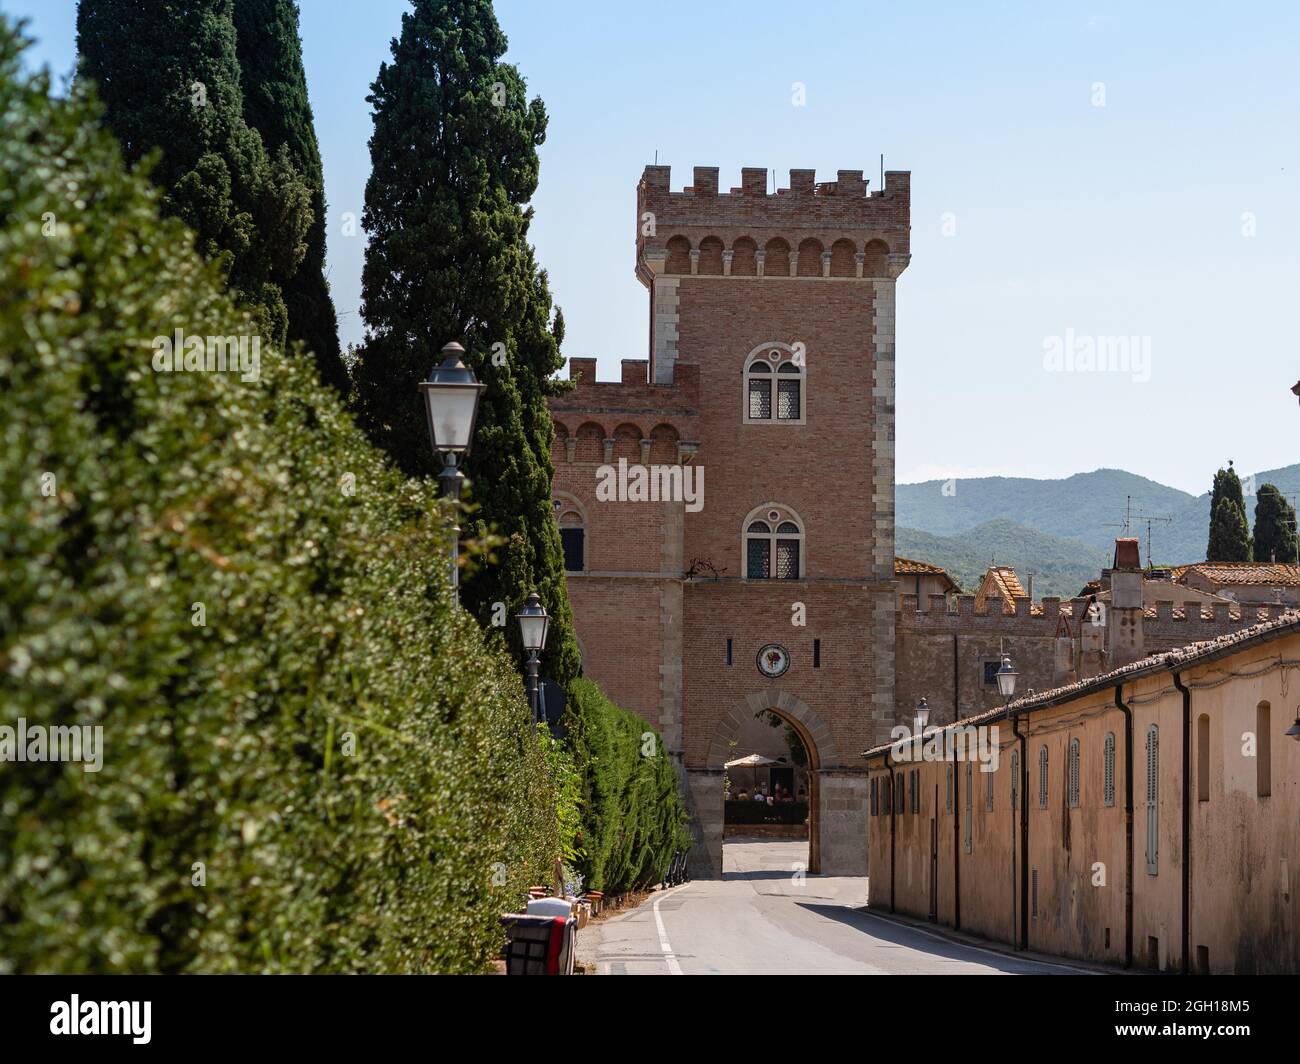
[(773, 660)]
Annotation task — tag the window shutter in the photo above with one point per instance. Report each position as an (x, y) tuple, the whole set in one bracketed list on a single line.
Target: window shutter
[(969, 806), (1015, 778), (1074, 773), (1109, 786), (949, 802), (1153, 780), (1042, 777)]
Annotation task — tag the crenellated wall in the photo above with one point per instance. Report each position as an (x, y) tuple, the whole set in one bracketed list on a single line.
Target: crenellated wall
[(941, 655)]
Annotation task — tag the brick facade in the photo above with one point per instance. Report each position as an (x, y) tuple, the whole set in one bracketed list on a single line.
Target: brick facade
[(663, 590)]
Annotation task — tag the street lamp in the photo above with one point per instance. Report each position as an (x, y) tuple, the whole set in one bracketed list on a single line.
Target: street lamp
[(534, 623), (922, 717), (451, 397), (1007, 679), (1294, 730)]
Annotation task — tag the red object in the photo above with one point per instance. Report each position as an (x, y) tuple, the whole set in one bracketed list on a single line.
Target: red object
[(559, 926)]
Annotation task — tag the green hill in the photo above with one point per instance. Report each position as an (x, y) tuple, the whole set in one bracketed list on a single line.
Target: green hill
[(1060, 566), (1087, 509)]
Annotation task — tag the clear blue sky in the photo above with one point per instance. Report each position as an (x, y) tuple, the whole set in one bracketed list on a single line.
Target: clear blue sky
[(1124, 219)]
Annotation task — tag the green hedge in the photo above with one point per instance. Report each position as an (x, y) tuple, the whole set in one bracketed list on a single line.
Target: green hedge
[(633, 818), (321, 573)]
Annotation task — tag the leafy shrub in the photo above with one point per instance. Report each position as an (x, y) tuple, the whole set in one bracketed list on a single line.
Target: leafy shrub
[(334, 754), (633, 817)]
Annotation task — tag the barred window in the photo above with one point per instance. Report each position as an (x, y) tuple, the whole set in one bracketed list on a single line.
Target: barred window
[(1015, 778), (774, 544), (758, 563), (789, 389), (773, 380), (1042, 777), (759, 383), (988, 792)]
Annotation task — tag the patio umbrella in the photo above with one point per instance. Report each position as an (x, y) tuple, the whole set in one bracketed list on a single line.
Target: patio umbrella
[(754, 761)]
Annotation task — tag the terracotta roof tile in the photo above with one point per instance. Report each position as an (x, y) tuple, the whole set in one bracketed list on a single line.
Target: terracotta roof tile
[(1288, 623), (1260, 574)]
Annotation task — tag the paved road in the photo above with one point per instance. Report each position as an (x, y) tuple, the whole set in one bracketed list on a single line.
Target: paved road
[(763, 919)]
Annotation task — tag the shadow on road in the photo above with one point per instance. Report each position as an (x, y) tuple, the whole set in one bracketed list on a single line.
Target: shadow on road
[(911, 938)]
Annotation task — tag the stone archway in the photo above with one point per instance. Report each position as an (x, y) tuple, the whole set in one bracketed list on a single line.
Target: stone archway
[(825, 779)]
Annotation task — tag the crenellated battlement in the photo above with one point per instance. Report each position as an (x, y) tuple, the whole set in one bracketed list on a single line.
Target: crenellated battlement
[(1166, 624), (831, 229), (601, 421)]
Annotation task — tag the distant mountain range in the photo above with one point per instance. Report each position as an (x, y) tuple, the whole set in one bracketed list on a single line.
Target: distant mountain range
[(1063, 531)]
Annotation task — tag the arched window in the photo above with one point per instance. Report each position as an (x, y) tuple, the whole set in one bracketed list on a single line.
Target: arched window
[(573, 533), (1074, 773), (773, 544), (774, 385), (1108, 782)]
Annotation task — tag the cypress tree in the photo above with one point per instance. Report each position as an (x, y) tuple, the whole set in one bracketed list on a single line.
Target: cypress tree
[(274, 86), (1275, 534), (168, 76), (454, 157), (1229, 534)]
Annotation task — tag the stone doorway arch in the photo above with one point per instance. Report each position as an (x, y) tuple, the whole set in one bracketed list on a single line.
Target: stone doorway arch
[(706, 780)]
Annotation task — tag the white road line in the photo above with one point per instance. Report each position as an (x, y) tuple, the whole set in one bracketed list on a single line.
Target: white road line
[(671, 958)]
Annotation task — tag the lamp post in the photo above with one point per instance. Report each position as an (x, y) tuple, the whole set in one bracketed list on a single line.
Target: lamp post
[(534, 622), (1007, 680), (451, 398), (922, 719), (1294, 730)]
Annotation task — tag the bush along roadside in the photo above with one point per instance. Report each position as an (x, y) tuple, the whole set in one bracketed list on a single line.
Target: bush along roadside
[(633, 817), (309, 761)]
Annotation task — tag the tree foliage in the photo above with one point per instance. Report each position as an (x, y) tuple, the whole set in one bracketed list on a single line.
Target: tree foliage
[(454, 165), (1229, 534), (274, 88), (633, 817), (311, 761), (168, 76), (1275, 526)]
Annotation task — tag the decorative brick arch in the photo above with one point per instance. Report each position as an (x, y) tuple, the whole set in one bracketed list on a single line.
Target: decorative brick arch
[(814, 731)]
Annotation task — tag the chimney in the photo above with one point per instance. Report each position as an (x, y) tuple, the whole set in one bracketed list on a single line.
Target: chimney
[(1124, 641)]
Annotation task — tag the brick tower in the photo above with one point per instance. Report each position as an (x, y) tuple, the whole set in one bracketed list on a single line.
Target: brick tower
[(770, 384)]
